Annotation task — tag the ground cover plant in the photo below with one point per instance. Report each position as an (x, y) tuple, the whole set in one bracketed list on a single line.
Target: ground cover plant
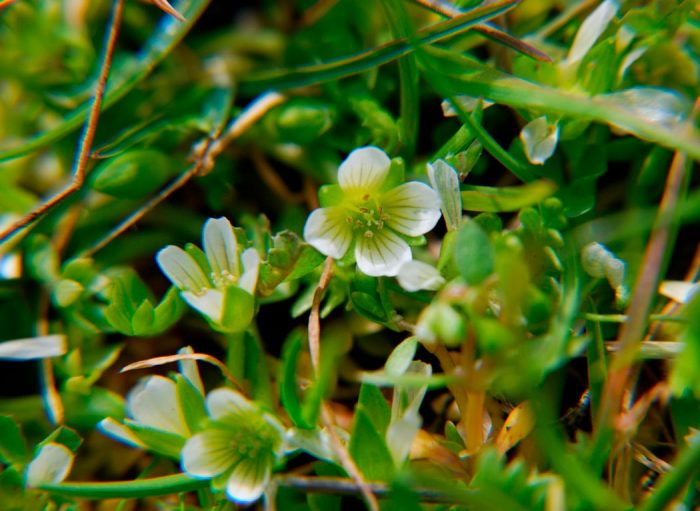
[(339, 254)]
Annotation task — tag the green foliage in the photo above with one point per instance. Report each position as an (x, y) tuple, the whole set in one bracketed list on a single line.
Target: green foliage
[(560, 153)]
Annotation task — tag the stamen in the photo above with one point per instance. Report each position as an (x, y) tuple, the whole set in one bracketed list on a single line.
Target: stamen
[(369, 234)]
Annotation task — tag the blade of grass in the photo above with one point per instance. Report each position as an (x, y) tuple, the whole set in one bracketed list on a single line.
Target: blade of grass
[(280, 79), (408, 73), (138, 488)]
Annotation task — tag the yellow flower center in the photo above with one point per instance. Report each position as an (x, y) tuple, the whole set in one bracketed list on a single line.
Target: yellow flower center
[(366, 216)]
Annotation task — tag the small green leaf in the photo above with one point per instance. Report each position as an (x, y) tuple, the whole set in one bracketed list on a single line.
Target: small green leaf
[(162, 442), (401, 357), (473, 253), (288, 380), (308, 261), (238, 310), (168, 311), (505, 198), (67, 292), (368, 306), (143, 319), (13, 448), (369, 450), (191, 403), (373, 403)]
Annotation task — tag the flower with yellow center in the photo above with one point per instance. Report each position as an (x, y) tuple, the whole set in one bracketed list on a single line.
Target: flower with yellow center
[(373, 215), (237, 449)]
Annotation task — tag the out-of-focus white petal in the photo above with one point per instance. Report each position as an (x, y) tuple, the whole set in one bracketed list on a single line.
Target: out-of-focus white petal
[(221, 248), (33, 347), (181, 269), (364, 169), (222, 402), (328, 232), (248, 480), (382, 254), (417, 275), (190, 370), (678, 290), (210, 303), (51, 465), (119, 432), (412, 208), (251, 266), (591, 29), (539, 139), (154, 403), (445, 181), (208, 454), (400, 435)]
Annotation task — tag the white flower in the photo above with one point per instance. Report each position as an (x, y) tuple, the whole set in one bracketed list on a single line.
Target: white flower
[(238, 449), (51, 465), (417, 275), (205, 289), (34, 347), (373, 215), (155, 415)]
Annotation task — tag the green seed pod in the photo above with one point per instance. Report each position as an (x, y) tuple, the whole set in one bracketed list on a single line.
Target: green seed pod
[(303, 120), (133, 174)]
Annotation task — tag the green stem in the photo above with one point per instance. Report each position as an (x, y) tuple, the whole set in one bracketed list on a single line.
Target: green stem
[(139, 488), (235, 355), (687, 466)]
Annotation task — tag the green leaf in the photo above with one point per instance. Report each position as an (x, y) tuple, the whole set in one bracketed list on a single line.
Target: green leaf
[(339, 68), (238, 310), (368, 306), (288, 387), (163, 442), (685, 375), (138, 488), (143, 319), (308, 261), (191, 403), (401, 357), (369, 450), (13, 448), (373, 403), (168, 311), (474, 254), (505, 198), (67, 292)]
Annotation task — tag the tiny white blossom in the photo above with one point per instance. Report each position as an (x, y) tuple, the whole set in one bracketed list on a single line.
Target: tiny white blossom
[(206, 293), (372, 216), (238, 449), (51, 465)]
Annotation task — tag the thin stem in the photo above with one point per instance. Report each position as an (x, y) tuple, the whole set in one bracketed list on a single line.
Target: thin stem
[(314, 328), (88, 133)]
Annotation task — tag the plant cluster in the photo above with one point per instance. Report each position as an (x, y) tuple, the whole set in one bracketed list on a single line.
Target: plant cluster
[(446, 258)]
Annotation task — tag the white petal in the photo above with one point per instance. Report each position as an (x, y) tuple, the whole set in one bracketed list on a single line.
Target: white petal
[(181, 268), (539, 139), (154, 403), (382, 254), (119, 432), (51, 465), (222, 402), (445, 181), (208, 454), (417, 275), (33, 347), (210, 303), (190, 370), (364, 169), (220, 246), (400, 435), (591, 29), (678, 290), (251, 266), (248, 480), (328, 232), (412, 208)]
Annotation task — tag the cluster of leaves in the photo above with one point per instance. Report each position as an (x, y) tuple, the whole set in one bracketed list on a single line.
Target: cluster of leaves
[(538, 350)]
